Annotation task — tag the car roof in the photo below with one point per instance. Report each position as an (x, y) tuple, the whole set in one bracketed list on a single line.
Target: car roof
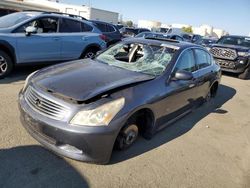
[(239, 36), (159, 42)]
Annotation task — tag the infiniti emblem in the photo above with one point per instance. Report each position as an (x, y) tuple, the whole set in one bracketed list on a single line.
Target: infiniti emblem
[(38, 102)]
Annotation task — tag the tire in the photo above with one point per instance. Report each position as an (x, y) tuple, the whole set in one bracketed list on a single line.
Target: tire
[(127, 137), (90, 53), (6, 64), (245, 75)]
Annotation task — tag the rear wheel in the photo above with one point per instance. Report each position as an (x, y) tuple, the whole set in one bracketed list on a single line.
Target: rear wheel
[(245, 75), (127, 136), (90, 53), (6, 64)]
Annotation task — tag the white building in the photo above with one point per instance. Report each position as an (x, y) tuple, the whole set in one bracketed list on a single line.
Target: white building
[(84, 11), (148, 24)]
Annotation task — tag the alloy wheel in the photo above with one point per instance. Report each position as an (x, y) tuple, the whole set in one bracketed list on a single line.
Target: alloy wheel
[(3, 65)]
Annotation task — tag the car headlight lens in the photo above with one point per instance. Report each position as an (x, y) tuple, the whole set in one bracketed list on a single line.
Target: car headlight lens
[(27, 80), (99, 116), (243, 54)]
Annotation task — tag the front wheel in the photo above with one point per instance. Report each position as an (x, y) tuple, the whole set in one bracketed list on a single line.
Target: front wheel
[(246, 74), (127, 136), (6, 64)]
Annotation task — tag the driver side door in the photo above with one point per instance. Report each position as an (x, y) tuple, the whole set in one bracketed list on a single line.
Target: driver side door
[(181, 94), (43, 46)]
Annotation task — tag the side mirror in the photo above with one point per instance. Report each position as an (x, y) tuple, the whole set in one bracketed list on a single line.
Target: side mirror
[(183, 75), (30, 30)]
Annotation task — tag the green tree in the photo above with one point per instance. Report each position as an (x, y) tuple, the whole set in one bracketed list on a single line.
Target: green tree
[(187, 29), (129, 23)]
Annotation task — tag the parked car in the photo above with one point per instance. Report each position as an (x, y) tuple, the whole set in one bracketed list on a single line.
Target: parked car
[(195, 38), (138, 86), (42, 37), (233, 54), (131, 32), (110, 31), (205, 41), (159, 35)]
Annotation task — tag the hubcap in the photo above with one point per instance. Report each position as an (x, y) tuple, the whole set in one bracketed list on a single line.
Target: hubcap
[(3, 65), (90, 55), (130, 137)]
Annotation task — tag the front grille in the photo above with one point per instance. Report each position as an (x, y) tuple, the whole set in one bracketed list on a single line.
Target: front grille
[(226, 64), (224, 53), (45, 106)]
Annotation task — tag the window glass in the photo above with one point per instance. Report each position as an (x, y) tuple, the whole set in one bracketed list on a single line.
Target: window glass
[(43, 25), (101, 26), (186, 62), (110, 28), (86, 27), (143, 58), (203, 59), (70, 26)]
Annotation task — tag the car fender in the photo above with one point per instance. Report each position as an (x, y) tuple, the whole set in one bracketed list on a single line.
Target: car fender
[(7, 47)]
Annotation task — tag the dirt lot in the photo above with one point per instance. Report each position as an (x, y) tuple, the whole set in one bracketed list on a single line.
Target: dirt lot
[(208, 148)]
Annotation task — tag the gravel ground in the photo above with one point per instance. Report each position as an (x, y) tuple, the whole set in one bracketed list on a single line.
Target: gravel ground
[(208, 148)]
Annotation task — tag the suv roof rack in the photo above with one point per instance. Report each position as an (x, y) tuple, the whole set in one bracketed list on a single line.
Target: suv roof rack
[(60, 13), (162, 39)]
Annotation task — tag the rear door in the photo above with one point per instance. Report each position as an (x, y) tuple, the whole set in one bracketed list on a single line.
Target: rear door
[(43, 46), (205, 71), (74, 38)]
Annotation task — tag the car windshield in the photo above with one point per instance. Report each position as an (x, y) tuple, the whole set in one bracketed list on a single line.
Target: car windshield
[(239, 41), (15, 18), (143, 58)]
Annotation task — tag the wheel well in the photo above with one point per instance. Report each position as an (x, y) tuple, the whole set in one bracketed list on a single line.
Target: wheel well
[(8, 51), (144, 119), (91, 47), (214, 88)]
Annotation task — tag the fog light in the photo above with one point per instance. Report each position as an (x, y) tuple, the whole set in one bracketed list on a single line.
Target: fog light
[(70, 149)]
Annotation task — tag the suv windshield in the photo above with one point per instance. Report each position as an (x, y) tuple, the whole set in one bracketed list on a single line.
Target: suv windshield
[(143, 58), (15, 18), (233, 40)]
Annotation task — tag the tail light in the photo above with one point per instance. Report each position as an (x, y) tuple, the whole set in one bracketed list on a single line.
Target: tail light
[(103, 37)]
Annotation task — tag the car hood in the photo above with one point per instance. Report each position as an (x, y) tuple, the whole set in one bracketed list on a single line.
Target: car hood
[(84, 79), (237, 48)]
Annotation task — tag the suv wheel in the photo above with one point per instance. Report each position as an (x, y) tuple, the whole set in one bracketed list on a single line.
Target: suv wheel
[(89, 53), (127, 136), (6, 64), (246, 74)]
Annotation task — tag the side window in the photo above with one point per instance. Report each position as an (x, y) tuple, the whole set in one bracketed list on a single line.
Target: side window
[(43, 25), (102, 27), (69, 26), (86, 27), (203, 59), (186, 62), (110, 28)]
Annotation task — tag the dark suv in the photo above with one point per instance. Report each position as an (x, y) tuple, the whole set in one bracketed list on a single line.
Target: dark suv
[(110, 31), (233, 54), (83, 109)]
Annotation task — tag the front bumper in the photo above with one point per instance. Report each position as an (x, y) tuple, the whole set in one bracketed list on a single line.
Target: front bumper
[(233, 66), (89, 144)]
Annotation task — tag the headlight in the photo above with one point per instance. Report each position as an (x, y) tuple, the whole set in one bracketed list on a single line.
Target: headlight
[(99, 116), (208, 48), (243, 54), (28, 79)]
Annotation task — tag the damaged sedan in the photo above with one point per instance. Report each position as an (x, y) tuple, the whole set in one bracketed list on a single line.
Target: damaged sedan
[(86, 108)]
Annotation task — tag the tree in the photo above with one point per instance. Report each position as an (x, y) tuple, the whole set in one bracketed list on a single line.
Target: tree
[(187, 29), (129, 23)]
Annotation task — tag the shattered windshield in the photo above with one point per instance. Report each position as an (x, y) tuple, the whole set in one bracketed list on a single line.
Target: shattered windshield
[(143, 58)]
